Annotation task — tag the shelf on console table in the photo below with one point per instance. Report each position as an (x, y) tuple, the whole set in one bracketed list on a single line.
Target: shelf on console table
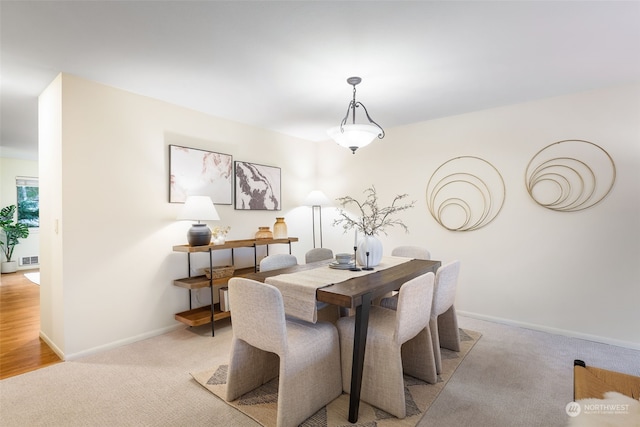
[(203, 315), (232, 244), (199, 282)]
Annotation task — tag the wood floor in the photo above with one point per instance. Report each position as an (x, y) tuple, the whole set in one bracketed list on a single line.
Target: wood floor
[(21, 349)]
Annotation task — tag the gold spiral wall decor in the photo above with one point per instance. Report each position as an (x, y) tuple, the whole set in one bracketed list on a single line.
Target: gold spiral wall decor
[(570, 175), (465, 193)]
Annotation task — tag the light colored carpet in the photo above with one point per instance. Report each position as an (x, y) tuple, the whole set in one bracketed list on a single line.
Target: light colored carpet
[(261, 404), (34, 277), (513, 377)]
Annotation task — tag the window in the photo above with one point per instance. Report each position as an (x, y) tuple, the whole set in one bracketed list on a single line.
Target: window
[(28, 201)]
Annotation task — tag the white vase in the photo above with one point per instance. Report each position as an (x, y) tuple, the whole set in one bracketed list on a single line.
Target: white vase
[(9, 266), (373, 245)]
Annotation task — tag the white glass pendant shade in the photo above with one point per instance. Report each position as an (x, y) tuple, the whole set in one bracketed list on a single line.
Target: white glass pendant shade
[(354, 136)]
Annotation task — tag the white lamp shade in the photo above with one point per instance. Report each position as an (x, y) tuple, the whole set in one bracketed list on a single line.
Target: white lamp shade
[(354, 136), (199, 208), (316, 198)]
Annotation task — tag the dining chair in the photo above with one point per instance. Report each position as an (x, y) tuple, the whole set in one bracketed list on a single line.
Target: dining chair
[(265, 344), (382, 376), (443, 323), (276, 261), (417, 252), (318, 254)]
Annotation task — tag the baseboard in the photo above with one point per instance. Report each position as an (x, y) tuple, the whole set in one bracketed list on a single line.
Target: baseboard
[(556, 331), (109, 346), (51, 345)]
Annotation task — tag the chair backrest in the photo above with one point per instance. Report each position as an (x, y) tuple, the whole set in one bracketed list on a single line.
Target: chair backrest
[(318, 254), (417, 252), (276, 261), (444, 292), (258, 314), (411, 316)]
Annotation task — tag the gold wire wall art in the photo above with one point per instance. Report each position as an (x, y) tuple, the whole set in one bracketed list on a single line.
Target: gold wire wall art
[(570, 175), (465, 193)]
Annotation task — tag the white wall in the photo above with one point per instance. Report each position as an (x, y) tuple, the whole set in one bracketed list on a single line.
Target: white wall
[(109, 276), (53, 305), (572, 273), (11, 168)]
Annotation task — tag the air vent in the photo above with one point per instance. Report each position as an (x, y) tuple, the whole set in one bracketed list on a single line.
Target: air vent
[(29, 260)]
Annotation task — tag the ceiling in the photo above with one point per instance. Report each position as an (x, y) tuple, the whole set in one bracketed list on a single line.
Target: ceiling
[(283, 65)]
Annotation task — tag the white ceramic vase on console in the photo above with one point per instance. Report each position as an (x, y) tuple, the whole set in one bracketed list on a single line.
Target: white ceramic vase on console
[(373, 245)]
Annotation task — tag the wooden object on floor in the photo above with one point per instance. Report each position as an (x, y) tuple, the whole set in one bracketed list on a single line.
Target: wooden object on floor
[(21, 349), (592, 383)]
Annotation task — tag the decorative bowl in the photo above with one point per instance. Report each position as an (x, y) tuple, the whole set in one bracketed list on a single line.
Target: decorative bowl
[(344, 258)]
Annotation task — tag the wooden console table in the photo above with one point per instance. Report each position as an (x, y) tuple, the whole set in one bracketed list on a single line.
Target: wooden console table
[(210, 313)]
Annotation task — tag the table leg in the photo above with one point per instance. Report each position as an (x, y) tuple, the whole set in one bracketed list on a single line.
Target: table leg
[(359, 344)]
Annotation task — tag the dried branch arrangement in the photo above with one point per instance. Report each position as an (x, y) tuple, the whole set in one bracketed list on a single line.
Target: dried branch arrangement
[(372, 219)]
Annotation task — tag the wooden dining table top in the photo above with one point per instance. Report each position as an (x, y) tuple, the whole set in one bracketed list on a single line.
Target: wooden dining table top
[(349, 292)]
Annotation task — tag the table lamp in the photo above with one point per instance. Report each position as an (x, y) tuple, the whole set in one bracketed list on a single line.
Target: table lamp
[(199, 208), (316, 199)]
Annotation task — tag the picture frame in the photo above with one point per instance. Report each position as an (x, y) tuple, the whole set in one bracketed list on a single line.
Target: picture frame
[(197, 172), (257, 187)]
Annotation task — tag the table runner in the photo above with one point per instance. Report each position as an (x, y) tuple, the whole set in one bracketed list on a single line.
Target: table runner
[(299, 289)]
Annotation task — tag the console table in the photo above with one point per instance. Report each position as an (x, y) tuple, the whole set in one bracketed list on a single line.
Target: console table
[(210, 313)]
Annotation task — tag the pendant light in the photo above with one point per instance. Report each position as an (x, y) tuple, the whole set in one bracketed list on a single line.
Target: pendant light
[(352, 135)]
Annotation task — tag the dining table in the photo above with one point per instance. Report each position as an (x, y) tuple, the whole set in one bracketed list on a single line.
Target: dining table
[(352, 290)]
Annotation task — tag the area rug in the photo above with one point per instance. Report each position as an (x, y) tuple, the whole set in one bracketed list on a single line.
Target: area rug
[(34, 277), (261, 404)]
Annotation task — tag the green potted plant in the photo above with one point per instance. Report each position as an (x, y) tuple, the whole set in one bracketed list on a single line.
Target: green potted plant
[(13, 232)]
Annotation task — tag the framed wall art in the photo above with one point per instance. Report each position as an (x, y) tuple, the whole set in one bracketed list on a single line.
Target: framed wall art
[(257, 187), (195, 172)]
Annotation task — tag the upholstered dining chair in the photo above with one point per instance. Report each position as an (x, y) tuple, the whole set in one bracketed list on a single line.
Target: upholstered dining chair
[(318, 254), (443, 323), (417, 252), (276, 261), (265, 344), (382, 377)]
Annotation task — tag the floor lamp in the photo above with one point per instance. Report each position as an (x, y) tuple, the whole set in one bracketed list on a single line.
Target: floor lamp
[(316, 199)]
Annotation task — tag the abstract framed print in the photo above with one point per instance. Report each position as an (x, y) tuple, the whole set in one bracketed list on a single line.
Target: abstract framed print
[(257, 187), (195, 172)]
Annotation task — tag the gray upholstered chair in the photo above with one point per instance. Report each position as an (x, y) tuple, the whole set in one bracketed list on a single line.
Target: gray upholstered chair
[(382, 377), (444, 321), (417, 252), (443, 324), (276, 261), (265, 344), (318, 254)]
